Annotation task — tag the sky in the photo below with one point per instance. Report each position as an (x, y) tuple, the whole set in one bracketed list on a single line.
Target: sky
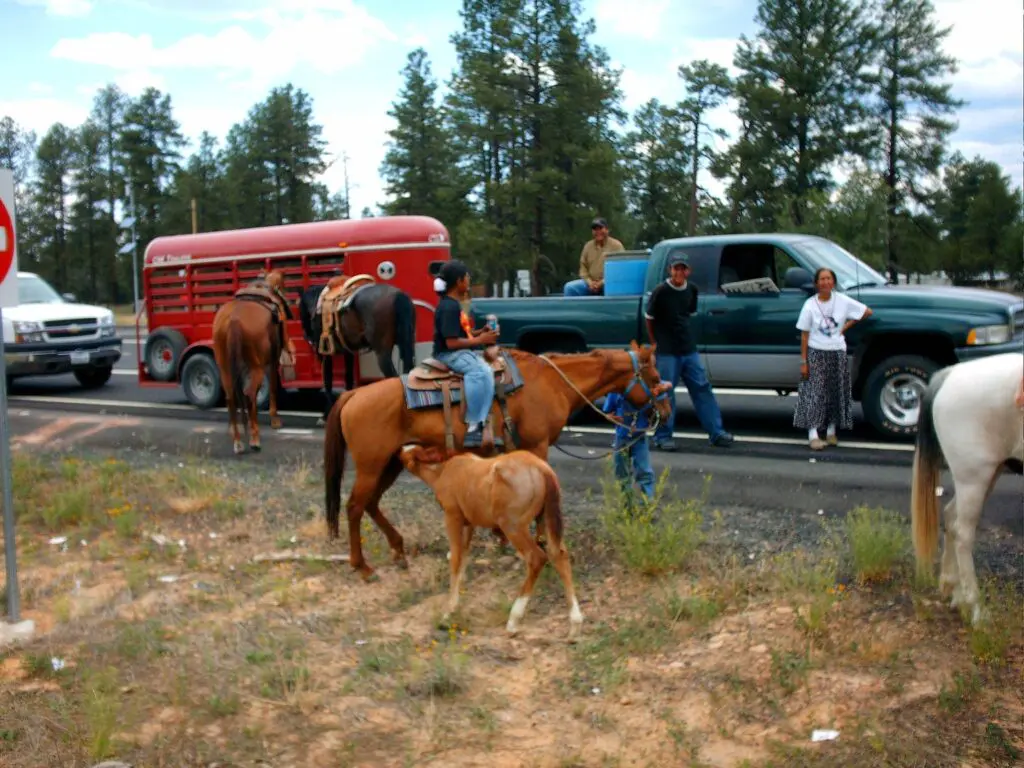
[(217, 58)]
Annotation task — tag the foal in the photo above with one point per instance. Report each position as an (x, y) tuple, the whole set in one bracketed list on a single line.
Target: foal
[(508, 491)]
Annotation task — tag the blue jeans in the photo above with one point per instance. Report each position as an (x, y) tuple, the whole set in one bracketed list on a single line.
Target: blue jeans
[(640, 456), (672, 368), (580, 288), (477, 382)]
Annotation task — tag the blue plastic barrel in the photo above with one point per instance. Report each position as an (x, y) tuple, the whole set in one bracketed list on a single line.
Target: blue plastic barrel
[(624, 274)]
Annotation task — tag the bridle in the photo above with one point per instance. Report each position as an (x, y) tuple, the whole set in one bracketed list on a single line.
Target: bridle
[(637, 380)]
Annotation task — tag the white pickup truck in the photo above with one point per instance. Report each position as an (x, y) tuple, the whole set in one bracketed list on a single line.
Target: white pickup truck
[(49, 334)]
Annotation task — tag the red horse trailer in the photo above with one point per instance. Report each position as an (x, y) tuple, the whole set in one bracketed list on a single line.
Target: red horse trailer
[(186, 279)]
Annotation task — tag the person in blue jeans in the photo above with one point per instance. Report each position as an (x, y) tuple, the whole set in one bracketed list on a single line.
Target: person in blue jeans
[(668, 324), (454, 344), (639, 453)]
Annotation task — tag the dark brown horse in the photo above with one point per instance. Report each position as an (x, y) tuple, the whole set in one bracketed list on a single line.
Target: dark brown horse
[(374, 422), (378, 318), (248, 336)]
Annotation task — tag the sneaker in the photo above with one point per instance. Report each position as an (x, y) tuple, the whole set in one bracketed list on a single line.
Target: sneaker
[(723, 440), (665, 445), (474, 439)]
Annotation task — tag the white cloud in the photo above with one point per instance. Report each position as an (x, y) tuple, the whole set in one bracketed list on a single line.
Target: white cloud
[(67, 8), (305, 33), (986, 39), (40, 114), (636, 18), (364, 141)]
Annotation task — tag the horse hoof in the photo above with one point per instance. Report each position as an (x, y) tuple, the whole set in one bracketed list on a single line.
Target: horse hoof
[(239, 447), (255, 448), (369, 576), (321, 422), (401, 562), (511, 629), (276, 424)]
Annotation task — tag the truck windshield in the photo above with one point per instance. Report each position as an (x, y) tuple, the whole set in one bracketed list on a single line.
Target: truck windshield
[(35, 290), (850, 270)]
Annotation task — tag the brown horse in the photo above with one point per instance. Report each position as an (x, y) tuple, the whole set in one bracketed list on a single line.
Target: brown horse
[(249, 333), (373, 423), (508, 491)]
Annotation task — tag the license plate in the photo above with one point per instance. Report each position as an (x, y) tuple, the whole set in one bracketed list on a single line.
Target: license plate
[(80, 358)]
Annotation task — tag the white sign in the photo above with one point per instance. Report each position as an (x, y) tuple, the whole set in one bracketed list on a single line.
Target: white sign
[(8, 242)]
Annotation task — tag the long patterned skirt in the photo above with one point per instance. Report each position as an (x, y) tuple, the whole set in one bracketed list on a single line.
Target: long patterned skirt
[(824, 398)]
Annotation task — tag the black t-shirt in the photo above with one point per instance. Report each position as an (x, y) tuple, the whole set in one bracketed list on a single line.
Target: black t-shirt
[(447, 323), (670, 308)]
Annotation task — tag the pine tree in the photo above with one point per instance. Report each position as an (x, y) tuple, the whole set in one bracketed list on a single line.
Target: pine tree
[(803, 91), (656, 157), (89, 220), (420, 168), (707, 87), (107, 114), (911, 108), (50, 199)]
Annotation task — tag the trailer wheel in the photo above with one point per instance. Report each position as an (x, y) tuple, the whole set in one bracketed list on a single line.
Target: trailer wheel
[(200, 379), (163, 350)]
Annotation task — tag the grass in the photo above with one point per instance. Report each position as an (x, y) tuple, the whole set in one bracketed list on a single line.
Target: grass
[(688, 647)]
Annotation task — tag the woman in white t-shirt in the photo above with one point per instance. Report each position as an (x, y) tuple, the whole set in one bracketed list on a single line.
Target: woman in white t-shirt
[(824, 395)]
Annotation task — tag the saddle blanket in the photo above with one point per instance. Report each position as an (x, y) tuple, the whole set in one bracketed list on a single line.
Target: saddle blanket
[(434, 398)]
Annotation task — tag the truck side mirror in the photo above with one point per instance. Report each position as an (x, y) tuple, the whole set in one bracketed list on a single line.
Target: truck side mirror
[(798, 277)]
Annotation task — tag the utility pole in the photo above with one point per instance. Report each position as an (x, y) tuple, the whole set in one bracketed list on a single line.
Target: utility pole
[(194, 225), (344, 166), (133, 246)]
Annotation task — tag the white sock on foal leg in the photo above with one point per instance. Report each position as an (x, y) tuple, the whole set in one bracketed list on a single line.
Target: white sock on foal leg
[(812, 434), (517, 613), (831, 432)]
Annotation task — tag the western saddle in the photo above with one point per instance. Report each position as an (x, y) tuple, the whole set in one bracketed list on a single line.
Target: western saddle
[(433, 375), (430, 374), (269, 295), (334, 300)]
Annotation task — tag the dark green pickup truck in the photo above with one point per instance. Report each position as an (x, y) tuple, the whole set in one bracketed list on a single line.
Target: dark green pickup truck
[(751, 290)]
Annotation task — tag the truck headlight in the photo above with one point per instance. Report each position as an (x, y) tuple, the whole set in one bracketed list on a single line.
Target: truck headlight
[(988, 334), (27, 331), (106, 324)]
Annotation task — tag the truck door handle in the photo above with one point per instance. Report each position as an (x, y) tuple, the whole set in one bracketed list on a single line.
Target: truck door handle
[(717, 311)]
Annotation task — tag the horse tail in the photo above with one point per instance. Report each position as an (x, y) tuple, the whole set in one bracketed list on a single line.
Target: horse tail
[(924, 506), (334, 464), (405, 330), (553, 508), (236, 362)]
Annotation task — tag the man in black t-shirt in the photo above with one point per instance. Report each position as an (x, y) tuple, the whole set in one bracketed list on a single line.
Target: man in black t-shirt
[(668, 325)]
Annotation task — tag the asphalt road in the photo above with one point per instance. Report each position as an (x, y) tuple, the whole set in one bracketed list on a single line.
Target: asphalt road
[(751, 414)]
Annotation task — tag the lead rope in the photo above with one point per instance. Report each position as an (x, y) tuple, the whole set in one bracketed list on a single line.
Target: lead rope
[(608, 417)]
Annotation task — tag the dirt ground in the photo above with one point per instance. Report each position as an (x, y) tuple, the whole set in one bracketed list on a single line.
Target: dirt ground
[(162, 640)]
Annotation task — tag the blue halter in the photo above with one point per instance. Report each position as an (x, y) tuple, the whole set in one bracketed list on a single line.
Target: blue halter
[(638, 380)]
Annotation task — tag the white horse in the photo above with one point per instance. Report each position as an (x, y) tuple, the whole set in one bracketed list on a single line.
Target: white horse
[(970, 416)]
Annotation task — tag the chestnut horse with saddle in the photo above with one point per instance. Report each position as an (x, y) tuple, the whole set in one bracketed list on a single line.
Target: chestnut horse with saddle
[(249, 335), (535, 394), (351, 314)]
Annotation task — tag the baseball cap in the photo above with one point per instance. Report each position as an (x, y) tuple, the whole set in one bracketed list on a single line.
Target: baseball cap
[(599, 222), (678, 258)]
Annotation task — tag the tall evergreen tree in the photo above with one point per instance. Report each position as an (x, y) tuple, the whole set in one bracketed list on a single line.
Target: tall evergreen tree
[(912, 108), (803, 88), (108, 113), (420, 168), (90, 223), (50, 198), (657, 157), (707, 86)]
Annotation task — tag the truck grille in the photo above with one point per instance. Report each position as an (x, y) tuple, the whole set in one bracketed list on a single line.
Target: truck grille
[(64, 330), (1017, 321)]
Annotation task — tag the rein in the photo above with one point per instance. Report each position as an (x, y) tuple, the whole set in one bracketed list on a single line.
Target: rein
[(612, 419)]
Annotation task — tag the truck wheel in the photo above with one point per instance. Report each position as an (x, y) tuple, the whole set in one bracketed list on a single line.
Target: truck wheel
[(893, 391), (93, 378), (162, 352), (200, 379)]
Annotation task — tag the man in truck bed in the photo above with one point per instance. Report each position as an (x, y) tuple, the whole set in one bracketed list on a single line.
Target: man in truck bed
[(591, 282), (668, 324)]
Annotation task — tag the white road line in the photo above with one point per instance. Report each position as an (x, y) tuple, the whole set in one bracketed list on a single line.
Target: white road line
[(176, 407)]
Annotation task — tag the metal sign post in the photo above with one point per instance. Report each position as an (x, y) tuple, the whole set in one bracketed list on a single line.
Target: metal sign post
[(10, 558), (9, 297)]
